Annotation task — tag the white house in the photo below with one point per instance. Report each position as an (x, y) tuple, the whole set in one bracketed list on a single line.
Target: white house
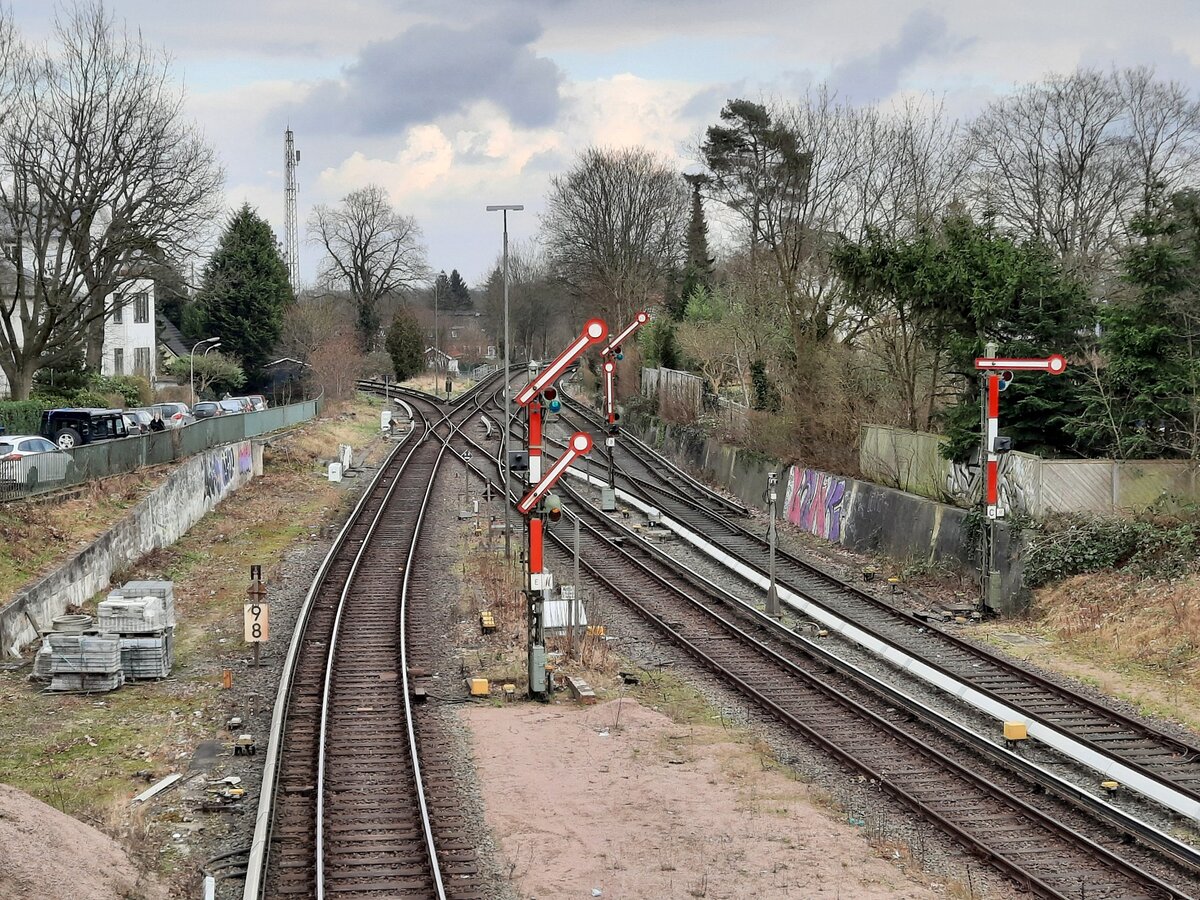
[(130, 345)]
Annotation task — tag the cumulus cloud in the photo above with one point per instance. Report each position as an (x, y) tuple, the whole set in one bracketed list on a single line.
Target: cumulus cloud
[(878, 75), (432, 70)]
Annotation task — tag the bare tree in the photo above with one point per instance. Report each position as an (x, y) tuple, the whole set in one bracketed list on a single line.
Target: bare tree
[(1051, 164), (371, 250), (99, 173), (614, 227), (1162, 123)]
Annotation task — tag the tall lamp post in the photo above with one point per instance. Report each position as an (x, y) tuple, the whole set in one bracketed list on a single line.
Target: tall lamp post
[(192, 364), (504, 210)]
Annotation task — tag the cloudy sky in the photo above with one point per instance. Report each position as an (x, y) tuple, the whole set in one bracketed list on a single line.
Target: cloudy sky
[(455, 104)]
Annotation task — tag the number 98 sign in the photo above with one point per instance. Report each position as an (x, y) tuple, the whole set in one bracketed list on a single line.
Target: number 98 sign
[(256, 623)]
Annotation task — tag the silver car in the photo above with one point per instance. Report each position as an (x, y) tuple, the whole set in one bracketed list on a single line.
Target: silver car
[(174, 415), (31, 459)]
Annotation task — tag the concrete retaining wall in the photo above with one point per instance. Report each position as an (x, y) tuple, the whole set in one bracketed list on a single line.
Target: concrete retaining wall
[(859, 515), (159, 520)]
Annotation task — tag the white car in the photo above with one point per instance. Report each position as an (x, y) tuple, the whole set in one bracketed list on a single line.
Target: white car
[(31, 459)]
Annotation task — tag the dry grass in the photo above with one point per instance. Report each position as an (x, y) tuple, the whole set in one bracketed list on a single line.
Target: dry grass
[(1135, 639)]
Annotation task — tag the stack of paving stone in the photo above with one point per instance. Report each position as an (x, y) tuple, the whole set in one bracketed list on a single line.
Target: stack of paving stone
[(142, 614), (85, 662)]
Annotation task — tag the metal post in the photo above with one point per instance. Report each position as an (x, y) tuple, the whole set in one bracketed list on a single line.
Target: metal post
[(437, 360), (772, 591), (987, 535), (574, 599), (504, 208)]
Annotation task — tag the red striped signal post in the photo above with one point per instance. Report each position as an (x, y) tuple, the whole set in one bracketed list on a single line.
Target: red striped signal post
[(611, 354), (541, 502), (998, 374)]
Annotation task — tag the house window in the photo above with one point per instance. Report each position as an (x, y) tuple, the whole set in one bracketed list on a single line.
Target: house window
[(141, 308), (141, 361), (11, 253), (118, 315), (119, 361)]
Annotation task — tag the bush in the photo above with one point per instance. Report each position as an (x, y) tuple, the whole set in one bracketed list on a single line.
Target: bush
[(134, 390), (1076, 546), (22, 416)]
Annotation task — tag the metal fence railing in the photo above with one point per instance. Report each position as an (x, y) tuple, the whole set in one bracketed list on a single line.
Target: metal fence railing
[(43, 472)]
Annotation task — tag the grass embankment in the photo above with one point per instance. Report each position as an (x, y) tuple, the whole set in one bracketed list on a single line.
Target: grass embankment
[(81, 753), (1131, 636)]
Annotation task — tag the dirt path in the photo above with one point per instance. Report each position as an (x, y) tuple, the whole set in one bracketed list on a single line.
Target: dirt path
[(618, 798)]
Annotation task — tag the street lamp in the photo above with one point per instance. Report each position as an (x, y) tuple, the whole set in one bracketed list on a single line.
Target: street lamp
[(504, 209), (192, 364)]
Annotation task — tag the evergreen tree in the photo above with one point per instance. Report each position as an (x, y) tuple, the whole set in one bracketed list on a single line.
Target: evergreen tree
[(698, 269), (405, 346), (963, 285), (245, 290), (441, 290), (1145, 399), (459, 293)]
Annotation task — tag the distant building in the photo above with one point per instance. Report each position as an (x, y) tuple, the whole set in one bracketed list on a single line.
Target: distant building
[(438, 361)]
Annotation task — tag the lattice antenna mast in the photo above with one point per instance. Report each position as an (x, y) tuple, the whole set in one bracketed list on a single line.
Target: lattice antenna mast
[(292, 241)]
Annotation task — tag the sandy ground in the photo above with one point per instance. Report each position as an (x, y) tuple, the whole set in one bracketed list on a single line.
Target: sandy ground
[(49, 855), (619, 799)]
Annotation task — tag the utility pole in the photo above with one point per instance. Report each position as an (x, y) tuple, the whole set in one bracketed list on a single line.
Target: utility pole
[(504, 210), (291, 159)]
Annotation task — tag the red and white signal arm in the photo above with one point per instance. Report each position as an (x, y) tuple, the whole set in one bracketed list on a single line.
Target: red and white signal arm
[(638, 321), (594, 331), (1055, 364), (579, 445)]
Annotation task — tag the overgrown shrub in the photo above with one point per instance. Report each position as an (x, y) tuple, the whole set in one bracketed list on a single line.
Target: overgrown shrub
[(133, 389), (1075, 546), (21, 416)]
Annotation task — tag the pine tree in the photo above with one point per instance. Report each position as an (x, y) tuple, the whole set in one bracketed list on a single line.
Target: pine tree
[(460, 294), (404, 345), (1145, 399), (245, 290), (698, 269)]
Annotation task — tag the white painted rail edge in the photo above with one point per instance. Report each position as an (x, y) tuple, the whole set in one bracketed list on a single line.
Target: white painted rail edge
[(1105, 765)]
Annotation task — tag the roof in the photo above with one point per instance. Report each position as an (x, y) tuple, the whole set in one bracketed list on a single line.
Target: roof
[(169, 336)]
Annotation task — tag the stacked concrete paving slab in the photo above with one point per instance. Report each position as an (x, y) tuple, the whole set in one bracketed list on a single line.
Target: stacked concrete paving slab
[(132, 638), (143, 614), (85, 662)]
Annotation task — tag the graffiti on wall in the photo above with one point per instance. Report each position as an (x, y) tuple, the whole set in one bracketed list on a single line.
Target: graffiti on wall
[(814, 502), (222, 466), (1017, 487)]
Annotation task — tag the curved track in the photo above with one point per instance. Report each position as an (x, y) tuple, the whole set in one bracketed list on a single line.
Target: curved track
[(1157, 754)]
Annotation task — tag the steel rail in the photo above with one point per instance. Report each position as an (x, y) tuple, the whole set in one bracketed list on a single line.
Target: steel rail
[(260, 842), (912, 802), (331, 660)]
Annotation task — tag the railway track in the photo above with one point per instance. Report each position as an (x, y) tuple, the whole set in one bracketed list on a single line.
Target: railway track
[(1046, 844), (358, 787), (1161, 757)]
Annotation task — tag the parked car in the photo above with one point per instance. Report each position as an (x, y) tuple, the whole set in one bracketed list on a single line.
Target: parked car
[(207, 409), (31, 459), (233, 405), (72, 427), (259, 401), (174, 415), (138, 420)]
